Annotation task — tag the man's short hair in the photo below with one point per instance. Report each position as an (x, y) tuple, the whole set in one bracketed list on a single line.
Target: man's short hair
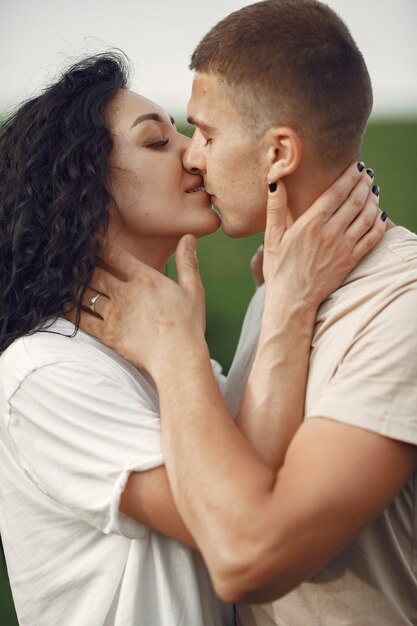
[(293, 62)]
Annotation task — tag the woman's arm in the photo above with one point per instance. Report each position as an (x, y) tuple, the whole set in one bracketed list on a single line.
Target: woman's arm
[(276, 386), (148, 499), (302, 267)]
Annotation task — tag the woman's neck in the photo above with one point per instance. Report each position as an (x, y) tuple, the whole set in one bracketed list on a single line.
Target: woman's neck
[(153, 251)]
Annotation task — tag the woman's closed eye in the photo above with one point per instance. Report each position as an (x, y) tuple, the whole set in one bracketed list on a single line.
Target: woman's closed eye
[(158, 144)]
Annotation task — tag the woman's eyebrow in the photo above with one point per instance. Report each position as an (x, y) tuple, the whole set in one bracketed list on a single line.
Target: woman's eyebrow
[(150, 116)]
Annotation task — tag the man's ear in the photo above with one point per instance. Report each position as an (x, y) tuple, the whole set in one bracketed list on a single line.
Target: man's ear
[(285, 150)]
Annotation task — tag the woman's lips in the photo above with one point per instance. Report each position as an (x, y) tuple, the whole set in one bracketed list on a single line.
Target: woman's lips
[(196, 189)]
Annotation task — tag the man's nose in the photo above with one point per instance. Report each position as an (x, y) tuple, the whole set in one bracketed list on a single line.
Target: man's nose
[(193, 158)]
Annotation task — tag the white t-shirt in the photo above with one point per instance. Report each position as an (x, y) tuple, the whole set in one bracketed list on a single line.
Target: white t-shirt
[(75, 420), (363, 372)]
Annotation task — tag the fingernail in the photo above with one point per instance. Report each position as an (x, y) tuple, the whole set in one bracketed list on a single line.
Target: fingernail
[(361, 166), (376, 190), (384, 216), (370, 173), (272, 187)]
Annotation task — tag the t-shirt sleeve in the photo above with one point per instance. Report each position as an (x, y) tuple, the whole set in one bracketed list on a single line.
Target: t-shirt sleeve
[(218, 374), (79, 433), (374, 385)]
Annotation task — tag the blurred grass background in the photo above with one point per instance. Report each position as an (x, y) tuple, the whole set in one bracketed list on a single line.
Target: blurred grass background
[(390, 148)]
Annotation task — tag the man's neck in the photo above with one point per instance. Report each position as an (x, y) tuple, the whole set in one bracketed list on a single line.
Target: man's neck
[(305, 186)]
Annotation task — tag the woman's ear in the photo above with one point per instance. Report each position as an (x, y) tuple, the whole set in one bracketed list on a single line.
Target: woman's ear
[(285, 149)]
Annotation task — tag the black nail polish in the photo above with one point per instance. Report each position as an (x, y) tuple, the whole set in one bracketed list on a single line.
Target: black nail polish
[(370, 173), (376, 190), (384, 216), (361, 166), (272, 187)]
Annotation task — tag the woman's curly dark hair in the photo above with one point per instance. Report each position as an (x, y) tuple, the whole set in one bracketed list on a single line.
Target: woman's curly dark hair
[(54, 194)]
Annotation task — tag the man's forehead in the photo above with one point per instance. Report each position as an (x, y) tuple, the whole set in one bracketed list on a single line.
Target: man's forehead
[(200, 93), (202, 81), (199, 108), (208, 104)]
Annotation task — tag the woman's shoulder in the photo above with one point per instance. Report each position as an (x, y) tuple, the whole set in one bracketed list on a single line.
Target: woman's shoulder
[(50, 345), (59, 345), (55, 341)]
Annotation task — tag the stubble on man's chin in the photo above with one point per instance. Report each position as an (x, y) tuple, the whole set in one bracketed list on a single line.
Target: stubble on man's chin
[(240, 231)]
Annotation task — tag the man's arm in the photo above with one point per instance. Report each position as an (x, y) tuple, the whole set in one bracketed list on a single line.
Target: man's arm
[(261, 533), (161, 514), (147, 496)]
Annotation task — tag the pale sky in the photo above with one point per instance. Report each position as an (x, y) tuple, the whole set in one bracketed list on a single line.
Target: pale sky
[(40, 37)]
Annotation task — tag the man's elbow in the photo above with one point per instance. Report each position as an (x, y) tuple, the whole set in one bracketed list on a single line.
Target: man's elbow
[(247, 572), (234, 585)]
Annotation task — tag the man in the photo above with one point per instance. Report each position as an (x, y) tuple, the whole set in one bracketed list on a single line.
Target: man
[(282, 94)]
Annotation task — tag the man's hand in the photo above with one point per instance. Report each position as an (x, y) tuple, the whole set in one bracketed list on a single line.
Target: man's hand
[(147, 317)]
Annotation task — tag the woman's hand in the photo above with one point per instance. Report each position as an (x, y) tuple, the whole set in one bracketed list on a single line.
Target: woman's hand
[(302, 266), (149, 319), (314, 255)]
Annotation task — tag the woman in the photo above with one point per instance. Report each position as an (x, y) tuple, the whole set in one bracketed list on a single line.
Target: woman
[(71, 557), (84, 165)]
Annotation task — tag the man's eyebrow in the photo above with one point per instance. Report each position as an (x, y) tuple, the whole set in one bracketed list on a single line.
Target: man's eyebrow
[(196, 122), (151, 116)]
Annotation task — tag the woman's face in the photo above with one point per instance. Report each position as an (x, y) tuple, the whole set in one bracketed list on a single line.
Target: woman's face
[(157, 199)]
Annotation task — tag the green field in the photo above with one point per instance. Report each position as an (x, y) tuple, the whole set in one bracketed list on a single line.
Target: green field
[(390, 149), (7, 613)]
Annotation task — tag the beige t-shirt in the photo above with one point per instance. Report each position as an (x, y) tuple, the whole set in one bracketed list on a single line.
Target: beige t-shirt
[(363, 371)]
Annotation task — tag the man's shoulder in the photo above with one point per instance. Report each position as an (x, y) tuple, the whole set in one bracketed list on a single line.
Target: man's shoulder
[(388, 271), (403, 244), (394, 254)]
